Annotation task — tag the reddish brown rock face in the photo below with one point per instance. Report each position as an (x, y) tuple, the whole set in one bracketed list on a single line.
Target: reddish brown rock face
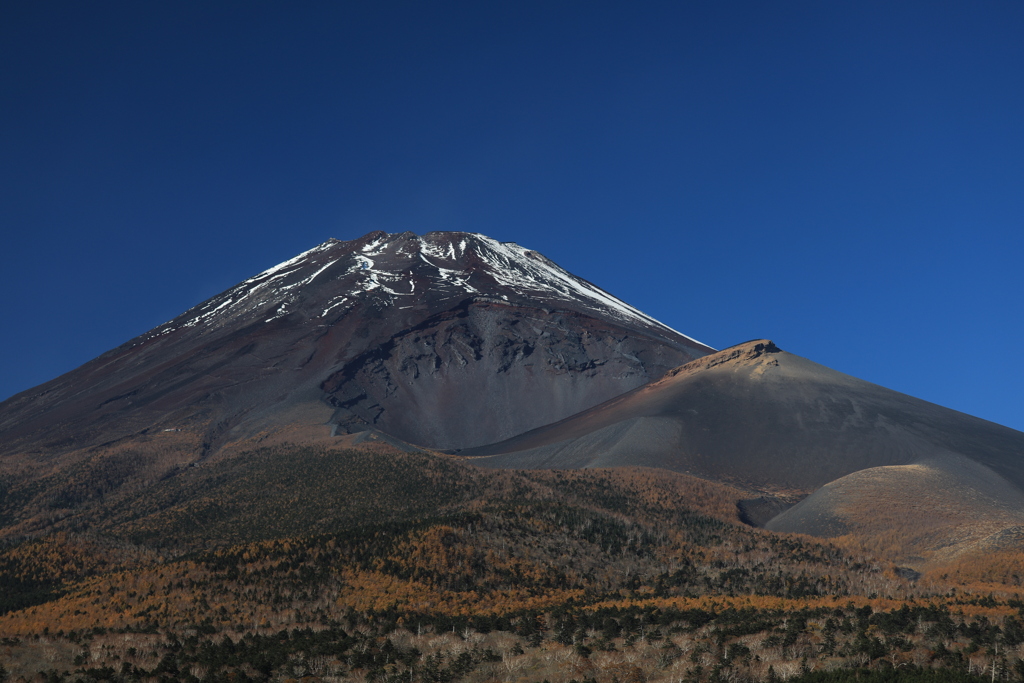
[(448, 340)]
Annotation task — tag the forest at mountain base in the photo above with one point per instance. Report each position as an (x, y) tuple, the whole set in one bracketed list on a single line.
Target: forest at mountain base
[(380, 565)]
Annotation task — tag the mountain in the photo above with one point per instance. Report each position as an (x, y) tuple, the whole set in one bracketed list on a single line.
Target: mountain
[(431, 340), (454, 341), (874, 461), (242, 494)]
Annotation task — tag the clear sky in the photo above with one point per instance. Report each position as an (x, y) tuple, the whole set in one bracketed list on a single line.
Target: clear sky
[(846, 178)]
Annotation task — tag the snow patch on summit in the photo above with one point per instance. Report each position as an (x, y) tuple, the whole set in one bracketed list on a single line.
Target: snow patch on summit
[(448, 265), (524, 269), (288, 264), (250, 295), (371, 248)]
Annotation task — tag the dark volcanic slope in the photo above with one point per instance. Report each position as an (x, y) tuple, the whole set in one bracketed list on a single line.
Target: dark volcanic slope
[(764, 417), (433, 339)]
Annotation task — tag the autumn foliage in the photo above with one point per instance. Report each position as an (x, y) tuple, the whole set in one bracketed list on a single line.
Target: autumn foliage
[(373, 564)]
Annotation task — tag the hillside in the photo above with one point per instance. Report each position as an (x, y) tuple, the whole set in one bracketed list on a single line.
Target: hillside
[(929, 513), (373, 562), (907, 479), (758, 415)]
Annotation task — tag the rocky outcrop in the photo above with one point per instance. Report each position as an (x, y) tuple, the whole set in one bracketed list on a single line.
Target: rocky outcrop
[(500, 369)]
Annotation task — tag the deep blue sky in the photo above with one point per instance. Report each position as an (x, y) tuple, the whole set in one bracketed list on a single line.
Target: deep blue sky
[(846, 178)]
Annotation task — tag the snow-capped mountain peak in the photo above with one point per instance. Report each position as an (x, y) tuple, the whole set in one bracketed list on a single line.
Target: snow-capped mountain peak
[(446, 340), (402, 271)]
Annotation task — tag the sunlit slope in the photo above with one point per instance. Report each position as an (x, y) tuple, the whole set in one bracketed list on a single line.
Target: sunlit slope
[(760, 416), (929, 512)]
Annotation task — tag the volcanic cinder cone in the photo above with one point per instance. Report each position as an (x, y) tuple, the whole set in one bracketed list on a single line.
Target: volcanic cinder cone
[(877, 462)]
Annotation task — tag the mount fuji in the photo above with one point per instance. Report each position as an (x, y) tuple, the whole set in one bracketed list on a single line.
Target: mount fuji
[(431, 340)]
